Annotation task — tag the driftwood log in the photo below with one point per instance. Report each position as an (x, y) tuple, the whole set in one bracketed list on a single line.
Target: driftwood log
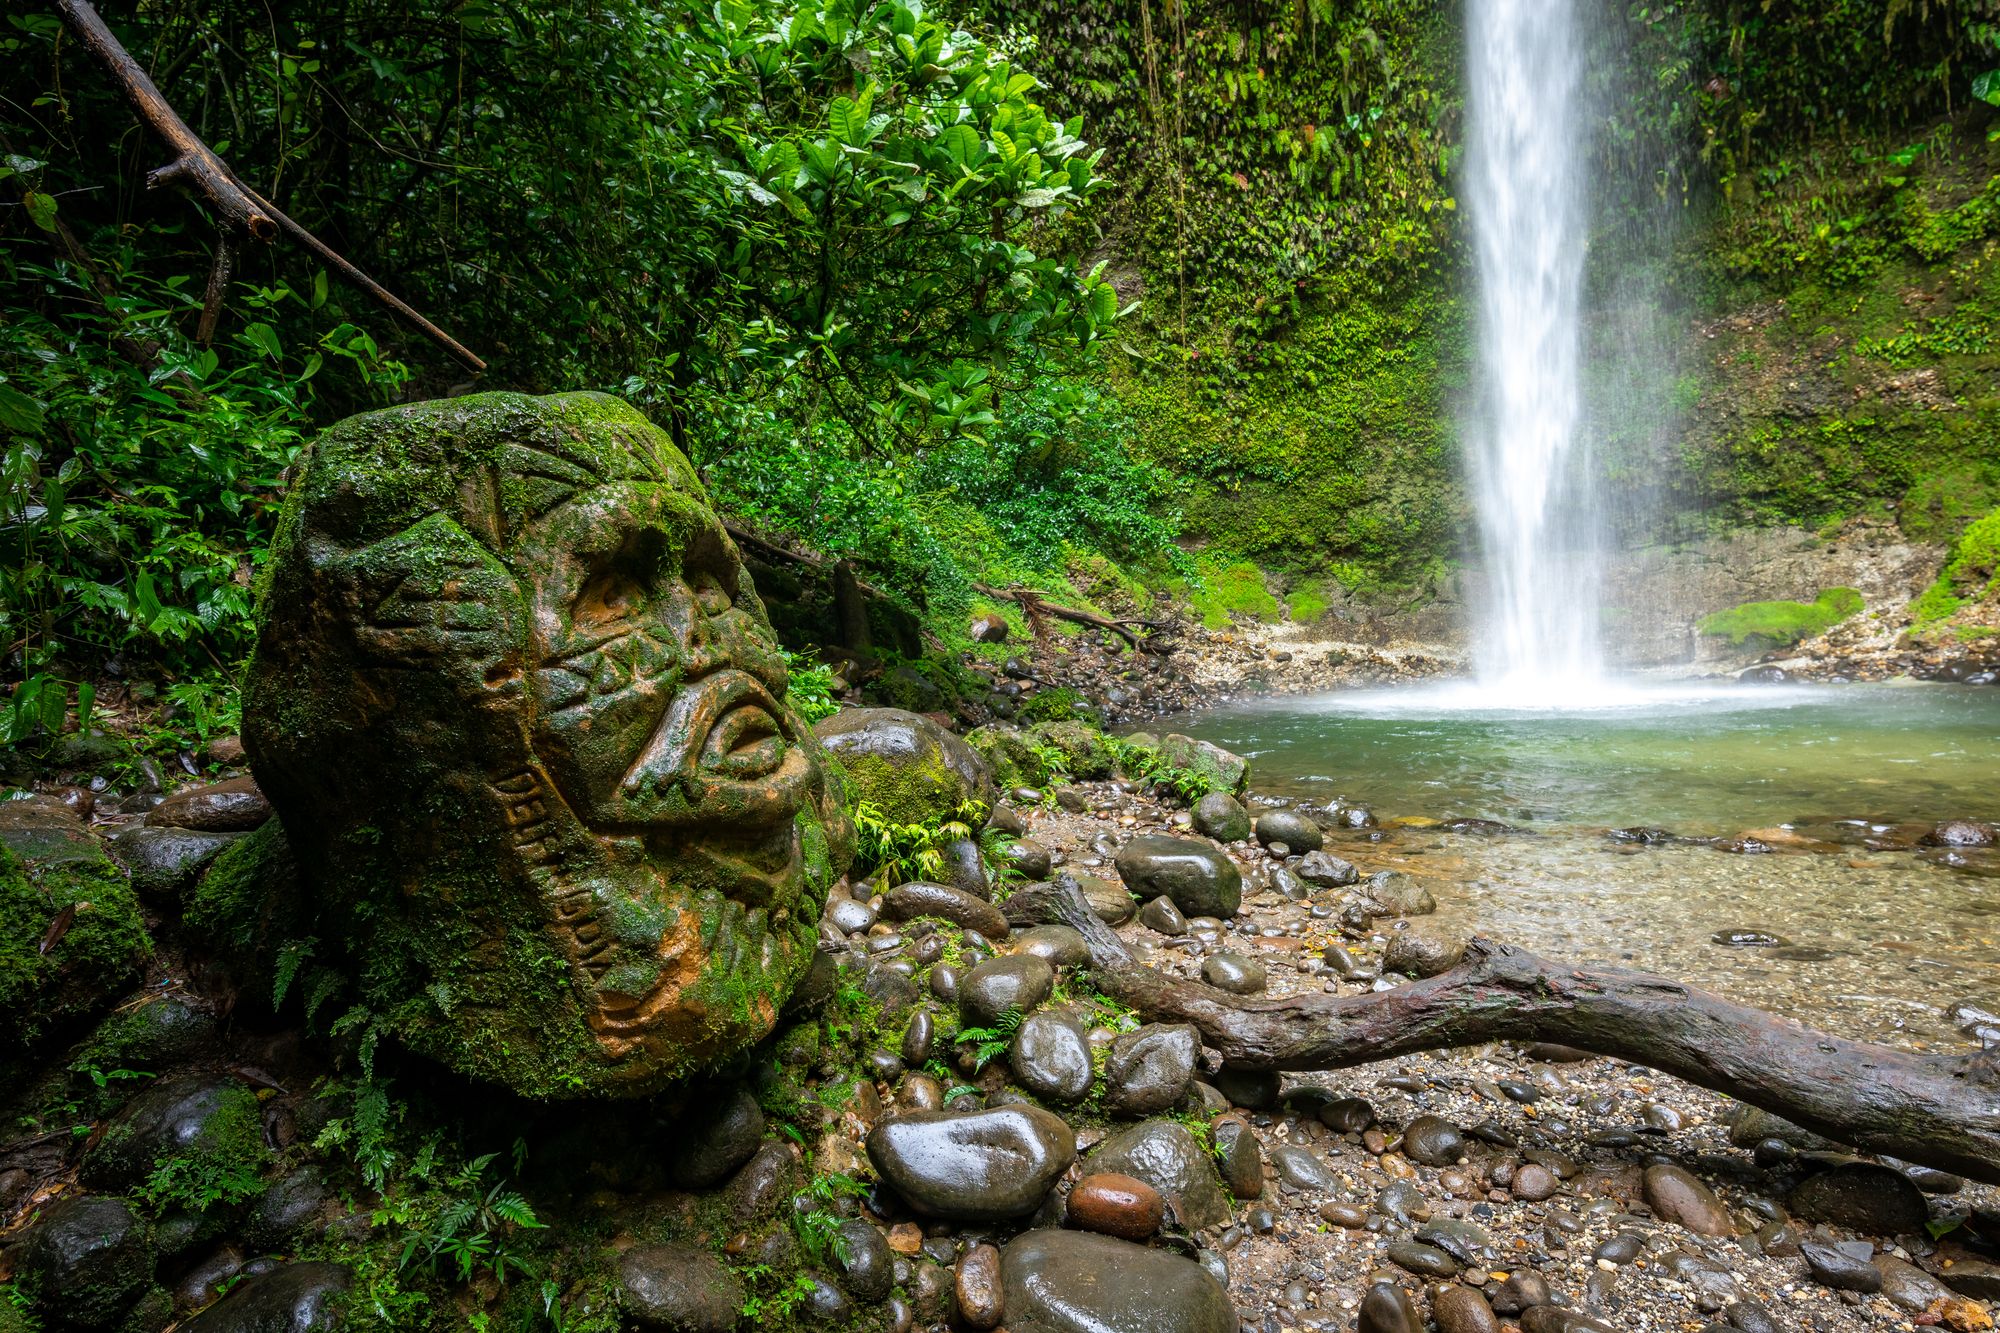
[(241, 212), (1034, 605), (1941, 1111)]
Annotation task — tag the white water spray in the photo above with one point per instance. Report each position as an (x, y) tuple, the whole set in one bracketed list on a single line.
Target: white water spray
[(1539, 514)]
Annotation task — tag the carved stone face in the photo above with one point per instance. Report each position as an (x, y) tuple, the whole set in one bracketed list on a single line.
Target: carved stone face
[(515, 693)]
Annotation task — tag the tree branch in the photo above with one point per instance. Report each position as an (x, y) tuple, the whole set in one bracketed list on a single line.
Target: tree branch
[(1035, 605), (1938, 1110), (243, 214)]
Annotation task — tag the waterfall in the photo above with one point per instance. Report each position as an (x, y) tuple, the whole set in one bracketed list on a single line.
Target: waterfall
[(1539, 512)]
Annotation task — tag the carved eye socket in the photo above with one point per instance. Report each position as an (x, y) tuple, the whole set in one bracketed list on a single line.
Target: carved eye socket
[(611, 594), (710, 593)]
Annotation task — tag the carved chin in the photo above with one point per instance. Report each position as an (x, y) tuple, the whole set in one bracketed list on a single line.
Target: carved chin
[(674, 1016)]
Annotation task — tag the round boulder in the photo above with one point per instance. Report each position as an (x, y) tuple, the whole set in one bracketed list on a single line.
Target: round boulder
[(1221, 816), (680, 1288), (973, 1166), (1080, 1282), (1196, 876), (907, 766)]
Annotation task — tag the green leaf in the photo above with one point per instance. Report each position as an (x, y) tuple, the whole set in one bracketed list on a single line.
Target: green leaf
[(41, 209), (319, 289), (1104, 303), (1040, 197), (961, 143), (20, 413), (265, 339), (1987, 87)]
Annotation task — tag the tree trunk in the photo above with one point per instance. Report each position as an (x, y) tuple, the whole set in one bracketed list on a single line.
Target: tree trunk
[(1941, 1111), (850, 606)]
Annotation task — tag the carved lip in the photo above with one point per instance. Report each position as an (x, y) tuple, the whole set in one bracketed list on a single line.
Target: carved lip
[(724, 743)]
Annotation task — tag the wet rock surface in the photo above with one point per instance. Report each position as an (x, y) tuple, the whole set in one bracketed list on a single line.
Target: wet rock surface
[(1075, 1282), (974, 1166)]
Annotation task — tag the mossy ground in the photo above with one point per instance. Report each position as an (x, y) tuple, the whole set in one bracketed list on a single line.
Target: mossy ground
[(1781, 623)]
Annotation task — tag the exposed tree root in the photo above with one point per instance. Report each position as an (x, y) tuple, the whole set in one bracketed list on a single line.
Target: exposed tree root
[(1937, 1110)]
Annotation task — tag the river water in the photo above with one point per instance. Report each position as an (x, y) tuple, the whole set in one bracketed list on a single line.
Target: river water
[(1881, 943)]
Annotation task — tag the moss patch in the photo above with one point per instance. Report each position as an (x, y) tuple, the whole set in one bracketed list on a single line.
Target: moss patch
[(85, 911), (1971, 575), (1782, 623)]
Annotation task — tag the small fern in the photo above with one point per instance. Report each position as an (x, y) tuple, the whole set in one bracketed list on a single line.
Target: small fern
[(989, 1043)]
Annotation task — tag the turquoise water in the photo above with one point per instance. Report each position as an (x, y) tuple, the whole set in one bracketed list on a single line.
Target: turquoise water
[(1697, 759)]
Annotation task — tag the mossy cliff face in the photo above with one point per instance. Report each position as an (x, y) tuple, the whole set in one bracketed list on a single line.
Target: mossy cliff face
[(521, 713)]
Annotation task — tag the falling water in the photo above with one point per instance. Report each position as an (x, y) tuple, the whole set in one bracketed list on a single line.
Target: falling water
[(1538, 508)]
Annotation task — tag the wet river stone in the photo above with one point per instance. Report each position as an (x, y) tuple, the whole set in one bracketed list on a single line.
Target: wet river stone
[(235, 806), (89, 1255), (1062, 946), (1235, 973), (1051, 1057), (1463, 1310), (716, 1138), (1678, 1197), (907, 902), (1433, 1141), (1423, 951), (165, 862), (1303, 1169), (1028, 858), (867, 1268), (1078, 1282), (1221, 816), (1863, 1196), (1116, 1205), (1291, 828), (1017, 981), (1161, 915), (1388, 1309), (1150, 1068), (1165, 1155), (295, 1298), (1113, 903), (981, 1297), (1241, 1158), (974, 1166), (1197, 877), (1324, 870), (188, 1115), (680, 1288)]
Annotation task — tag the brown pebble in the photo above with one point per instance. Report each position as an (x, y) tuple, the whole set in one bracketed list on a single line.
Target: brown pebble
[(1116, 1205), (1375, 1141), (1344, 1215), (1462, 1310), (1535, 1183), (906, 1238), (981, 1299)]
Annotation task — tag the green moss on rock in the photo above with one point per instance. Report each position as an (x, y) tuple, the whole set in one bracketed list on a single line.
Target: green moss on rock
[(1781, 623), (82, 908), (1971, 575)]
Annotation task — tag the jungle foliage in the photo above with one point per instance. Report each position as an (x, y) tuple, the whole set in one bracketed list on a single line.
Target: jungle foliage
[(834, 245)]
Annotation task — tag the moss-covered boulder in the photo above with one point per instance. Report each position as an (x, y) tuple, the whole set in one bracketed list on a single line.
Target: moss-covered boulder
[(1010, 754), (1078, 747), (908, 767), (1217, 768), (70, 935), (84, 1261), (523, 720)]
